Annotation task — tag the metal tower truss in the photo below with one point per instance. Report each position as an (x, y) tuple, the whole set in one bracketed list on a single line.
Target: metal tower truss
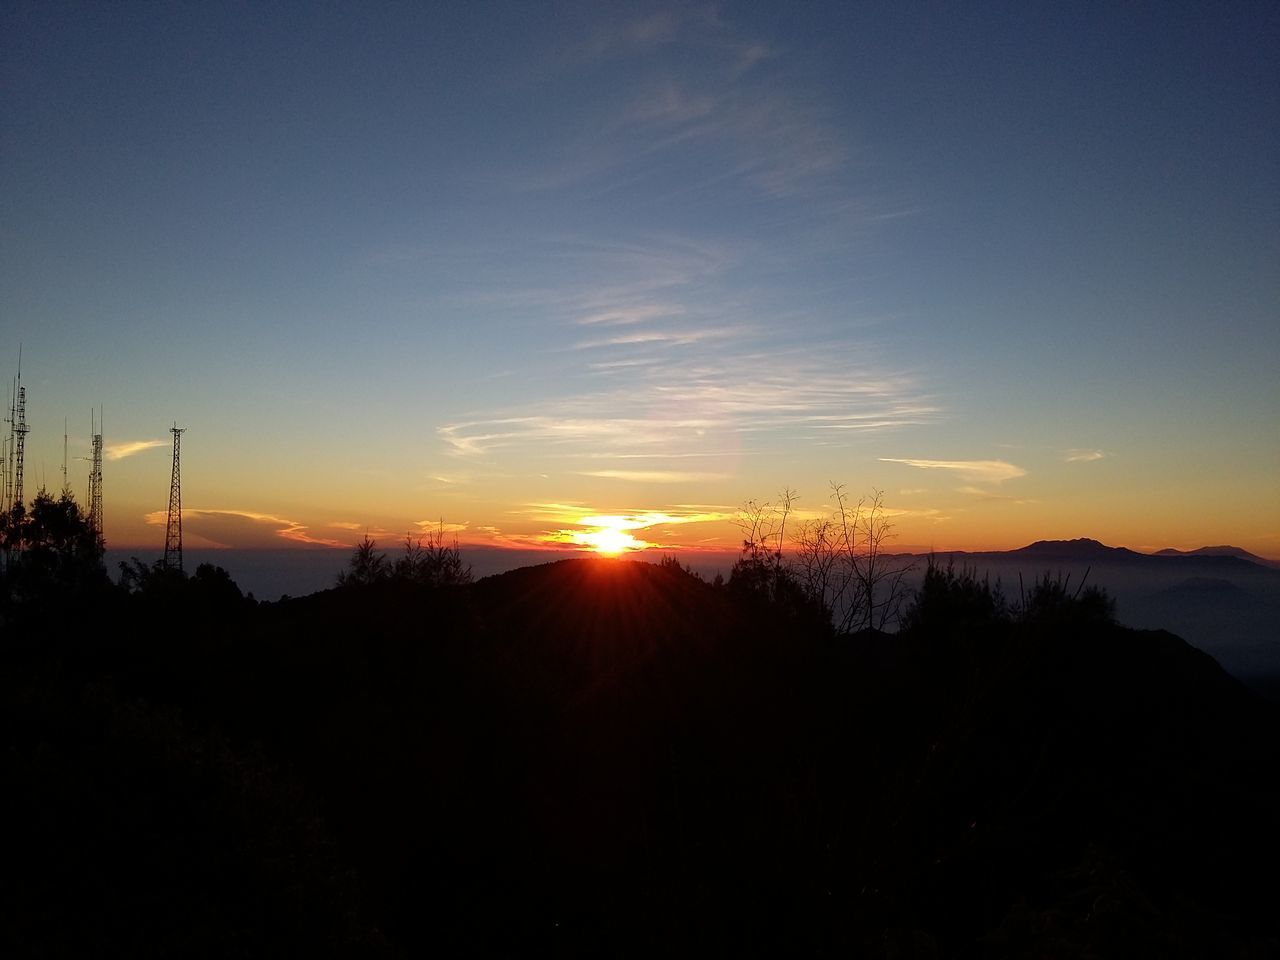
[(95, 485), (173, 530), (19, 440)]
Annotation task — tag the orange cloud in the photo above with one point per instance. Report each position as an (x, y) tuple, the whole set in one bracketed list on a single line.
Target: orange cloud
[(225, 527), (118, 451)]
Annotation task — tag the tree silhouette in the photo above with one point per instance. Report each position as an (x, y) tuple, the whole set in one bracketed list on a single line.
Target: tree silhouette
[(430, 561), (51, 551), (838, 562), (368, 565), (427, 561), (841, 560)]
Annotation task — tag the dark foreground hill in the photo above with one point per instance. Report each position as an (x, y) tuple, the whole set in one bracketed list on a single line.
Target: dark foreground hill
[(597, 757)]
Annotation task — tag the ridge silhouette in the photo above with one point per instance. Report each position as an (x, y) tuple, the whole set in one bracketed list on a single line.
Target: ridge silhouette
[(614, 757)]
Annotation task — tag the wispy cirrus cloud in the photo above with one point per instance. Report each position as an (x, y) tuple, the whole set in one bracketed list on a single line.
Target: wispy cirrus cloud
[(1082, 456), (118, 451), (664, 281), (699, 398), (661, 337), (656, 476), (610, 37), (985, 494), (698, 93), (691, 25), (621, 314), (932, 514), (977, 471)]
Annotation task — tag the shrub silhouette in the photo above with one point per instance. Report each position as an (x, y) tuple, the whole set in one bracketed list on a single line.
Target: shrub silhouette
[(958, 602), (954, 601), (1050, 603)]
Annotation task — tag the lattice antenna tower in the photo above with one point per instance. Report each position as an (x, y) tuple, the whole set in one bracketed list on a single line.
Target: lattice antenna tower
[(19, 422), (173, 530), (95, 482), (6, 460)]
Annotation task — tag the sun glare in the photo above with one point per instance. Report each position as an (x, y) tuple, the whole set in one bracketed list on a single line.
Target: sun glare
[(611, 542), (609, 535)]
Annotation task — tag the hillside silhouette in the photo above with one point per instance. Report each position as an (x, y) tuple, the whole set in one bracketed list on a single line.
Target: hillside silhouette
[(1236, 620), (609, 757), (1218, 551)]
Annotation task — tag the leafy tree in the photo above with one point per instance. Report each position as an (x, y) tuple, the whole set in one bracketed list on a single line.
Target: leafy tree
[(51, 551), (11, 526), (213, 587), (672, 562), (210, 594), (154, 580)]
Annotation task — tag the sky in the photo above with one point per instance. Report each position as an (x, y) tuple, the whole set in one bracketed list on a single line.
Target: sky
[(546, 273)]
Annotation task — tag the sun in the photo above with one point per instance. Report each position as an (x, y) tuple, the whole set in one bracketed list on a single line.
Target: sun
[(609, 536), (611, 542)]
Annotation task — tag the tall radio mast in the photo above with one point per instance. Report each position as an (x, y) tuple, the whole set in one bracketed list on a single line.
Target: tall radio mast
[(95, 480), (173, 530), (19, 424)]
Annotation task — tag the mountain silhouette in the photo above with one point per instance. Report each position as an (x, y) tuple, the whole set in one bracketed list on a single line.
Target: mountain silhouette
[(1087, 550), (613, 757), (1080, 549), (1220, 551)]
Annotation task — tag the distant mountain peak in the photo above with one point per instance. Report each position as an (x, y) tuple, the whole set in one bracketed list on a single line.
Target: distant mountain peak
[(1081, 547), (1222, 550)]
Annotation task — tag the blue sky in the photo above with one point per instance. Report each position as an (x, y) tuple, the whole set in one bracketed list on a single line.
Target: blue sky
[(509, 263)]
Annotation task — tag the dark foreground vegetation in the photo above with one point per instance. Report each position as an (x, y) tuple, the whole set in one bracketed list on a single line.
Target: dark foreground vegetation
[(598, 757)]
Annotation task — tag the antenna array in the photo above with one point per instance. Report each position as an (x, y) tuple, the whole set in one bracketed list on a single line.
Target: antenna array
[(95, 481)]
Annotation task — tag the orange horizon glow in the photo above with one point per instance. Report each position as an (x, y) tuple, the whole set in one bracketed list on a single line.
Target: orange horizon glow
[(920, 526), (614, 543)]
